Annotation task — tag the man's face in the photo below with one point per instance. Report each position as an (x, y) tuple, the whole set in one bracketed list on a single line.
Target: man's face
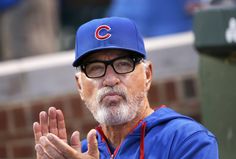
[(113, 98)]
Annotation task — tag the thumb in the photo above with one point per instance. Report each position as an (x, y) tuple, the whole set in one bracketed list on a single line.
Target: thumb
[(92, 144), (75, 141)]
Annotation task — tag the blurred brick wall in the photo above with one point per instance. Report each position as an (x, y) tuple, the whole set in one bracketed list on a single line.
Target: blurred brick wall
[(16, 123), (16, 136)]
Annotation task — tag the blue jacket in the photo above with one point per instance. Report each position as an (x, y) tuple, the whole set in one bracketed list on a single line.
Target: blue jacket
[(165, 134)]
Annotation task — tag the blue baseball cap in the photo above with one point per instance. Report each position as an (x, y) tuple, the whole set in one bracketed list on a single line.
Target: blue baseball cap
[(107, 33)]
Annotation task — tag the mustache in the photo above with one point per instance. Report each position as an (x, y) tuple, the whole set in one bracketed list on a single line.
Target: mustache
[(111, 90)]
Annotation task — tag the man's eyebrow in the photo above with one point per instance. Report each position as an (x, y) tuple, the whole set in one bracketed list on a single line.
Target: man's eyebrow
[(88, 59)]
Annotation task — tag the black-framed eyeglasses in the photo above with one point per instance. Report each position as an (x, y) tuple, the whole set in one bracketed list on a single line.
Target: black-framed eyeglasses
[(121, 65)]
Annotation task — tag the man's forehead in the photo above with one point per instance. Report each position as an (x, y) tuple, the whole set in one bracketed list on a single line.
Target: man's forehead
[(107, 54)]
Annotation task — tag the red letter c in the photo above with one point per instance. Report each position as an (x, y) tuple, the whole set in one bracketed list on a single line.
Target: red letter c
[(102, 37)]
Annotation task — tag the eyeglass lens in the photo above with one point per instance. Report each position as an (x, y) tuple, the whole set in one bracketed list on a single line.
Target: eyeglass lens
[(120, 66)]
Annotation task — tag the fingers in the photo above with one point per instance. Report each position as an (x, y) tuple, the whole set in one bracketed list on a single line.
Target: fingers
[(37, 132), (61, 125), (37, 135), (63, 147), (40, 152), (53, 122), (52, 119), (92, 144), (46, 149), (43, 120), (75, 141), (54, 147)]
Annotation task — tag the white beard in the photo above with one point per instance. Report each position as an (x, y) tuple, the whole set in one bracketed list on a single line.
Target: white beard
[(118, 113)]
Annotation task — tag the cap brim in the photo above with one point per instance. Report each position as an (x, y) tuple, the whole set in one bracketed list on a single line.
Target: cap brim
[(78, 61)]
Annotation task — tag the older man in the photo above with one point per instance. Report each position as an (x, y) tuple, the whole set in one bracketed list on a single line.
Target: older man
[(113, 79)]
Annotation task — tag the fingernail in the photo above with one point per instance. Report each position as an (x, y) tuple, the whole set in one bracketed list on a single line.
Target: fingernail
[(52, 109), (50, 137), (94, 132), (43, 113), (42, 140), (35, 124), (37, 147), (76, 134), (59, 111)]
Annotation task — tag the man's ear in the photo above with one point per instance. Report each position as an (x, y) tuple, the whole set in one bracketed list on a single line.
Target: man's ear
[(78, 83), (148, 72)]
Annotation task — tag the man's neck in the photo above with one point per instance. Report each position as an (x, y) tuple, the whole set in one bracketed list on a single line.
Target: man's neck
[(117, 133)]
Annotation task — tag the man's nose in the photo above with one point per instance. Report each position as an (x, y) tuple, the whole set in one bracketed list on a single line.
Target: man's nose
[(111, 77)]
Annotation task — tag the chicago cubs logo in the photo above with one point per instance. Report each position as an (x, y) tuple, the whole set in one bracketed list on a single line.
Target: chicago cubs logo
[(99, 33)]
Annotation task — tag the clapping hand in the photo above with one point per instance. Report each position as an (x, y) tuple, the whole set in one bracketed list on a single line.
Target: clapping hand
[(51, 138)]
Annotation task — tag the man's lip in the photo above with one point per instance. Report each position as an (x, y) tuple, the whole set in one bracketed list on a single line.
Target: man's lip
[(111, 94)]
